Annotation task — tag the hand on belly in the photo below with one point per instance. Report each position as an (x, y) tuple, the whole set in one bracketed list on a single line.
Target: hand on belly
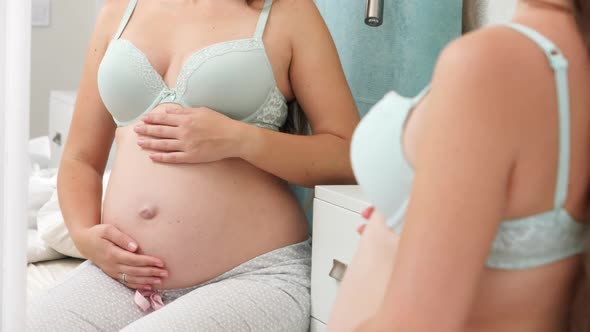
[(117, 254), (201, 219)]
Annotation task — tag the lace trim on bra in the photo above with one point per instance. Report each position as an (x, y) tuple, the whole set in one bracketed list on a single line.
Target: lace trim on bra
[(272, 114), (150, 78), (197, 59), (536, 240)]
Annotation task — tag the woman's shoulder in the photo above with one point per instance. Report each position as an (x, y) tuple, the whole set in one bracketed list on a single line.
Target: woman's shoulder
[(282, 5), (492, 75), (110, 17), (115, 6), (301, 22), (296, 14), (497, 64), (493, 52)]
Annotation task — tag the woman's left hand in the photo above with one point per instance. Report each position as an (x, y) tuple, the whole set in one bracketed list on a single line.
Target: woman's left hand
[(189, 135)]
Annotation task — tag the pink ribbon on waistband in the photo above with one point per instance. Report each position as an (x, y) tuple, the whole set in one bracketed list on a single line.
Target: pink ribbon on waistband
[(146, 299)]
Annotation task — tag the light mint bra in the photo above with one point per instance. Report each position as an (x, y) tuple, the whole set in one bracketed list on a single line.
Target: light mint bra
[(234, 77), (384, 174)]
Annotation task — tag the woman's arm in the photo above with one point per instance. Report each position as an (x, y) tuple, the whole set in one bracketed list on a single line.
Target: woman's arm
[(82, 166), (463, 160), (320, 87), (90, 136)]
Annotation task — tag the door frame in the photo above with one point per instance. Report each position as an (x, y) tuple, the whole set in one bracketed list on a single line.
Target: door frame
[(15, 66)]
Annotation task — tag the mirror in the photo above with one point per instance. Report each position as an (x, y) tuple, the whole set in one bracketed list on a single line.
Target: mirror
[(58, 39)]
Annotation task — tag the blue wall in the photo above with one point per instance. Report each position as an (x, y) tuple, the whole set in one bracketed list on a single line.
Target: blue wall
[(399, 55)]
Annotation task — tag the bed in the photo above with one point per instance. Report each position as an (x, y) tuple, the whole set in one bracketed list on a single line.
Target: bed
[(46, 266), (43, 275)]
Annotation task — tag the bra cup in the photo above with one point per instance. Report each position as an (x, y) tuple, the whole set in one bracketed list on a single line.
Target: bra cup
[(377, 157), (233, 77), (235, 84), (122, 86)]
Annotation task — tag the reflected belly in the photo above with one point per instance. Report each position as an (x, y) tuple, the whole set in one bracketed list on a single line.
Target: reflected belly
[(201, 219)]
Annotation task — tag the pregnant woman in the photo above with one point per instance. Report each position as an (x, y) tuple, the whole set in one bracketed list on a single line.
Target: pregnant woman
[(199, 229), (486, 179)]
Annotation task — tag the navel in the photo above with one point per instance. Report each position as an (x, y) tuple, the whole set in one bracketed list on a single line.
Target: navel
[(148, 212)]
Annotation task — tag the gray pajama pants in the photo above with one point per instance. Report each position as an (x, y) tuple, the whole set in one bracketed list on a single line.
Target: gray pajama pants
[(268, 293)]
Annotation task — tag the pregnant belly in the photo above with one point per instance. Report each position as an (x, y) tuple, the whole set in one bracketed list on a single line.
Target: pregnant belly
[(200, 219)]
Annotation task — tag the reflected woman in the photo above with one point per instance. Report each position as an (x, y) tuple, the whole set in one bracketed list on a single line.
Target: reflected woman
[(485, 179)]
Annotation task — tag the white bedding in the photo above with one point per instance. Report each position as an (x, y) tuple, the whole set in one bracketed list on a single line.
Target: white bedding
[(43, 275), (38, 250), (47, 265)]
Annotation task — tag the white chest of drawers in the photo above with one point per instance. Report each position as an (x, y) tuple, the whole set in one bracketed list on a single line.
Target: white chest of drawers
[(336, 217)]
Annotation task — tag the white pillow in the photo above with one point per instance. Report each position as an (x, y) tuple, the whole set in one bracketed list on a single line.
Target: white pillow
[(38, 250), (53, 230), (42, 183), (39, 151)]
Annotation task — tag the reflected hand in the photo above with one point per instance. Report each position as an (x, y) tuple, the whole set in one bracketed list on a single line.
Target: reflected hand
[(369, 214), (114, 253), (189, 135)]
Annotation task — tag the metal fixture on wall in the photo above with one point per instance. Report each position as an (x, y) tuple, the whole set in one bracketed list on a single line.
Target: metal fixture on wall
[(374, 13)]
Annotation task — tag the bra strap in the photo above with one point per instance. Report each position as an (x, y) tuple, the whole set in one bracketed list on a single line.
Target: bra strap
[(421, 95), (262, 19), (559, 64), (126, 17)]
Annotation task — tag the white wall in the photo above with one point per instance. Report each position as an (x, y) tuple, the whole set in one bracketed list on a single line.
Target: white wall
[(58, 55)]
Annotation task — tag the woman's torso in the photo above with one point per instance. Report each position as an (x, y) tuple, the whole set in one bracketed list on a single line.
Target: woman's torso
[(534, 299), (208, 217)]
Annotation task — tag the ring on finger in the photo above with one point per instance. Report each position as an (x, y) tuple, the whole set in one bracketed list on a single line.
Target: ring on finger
[(123, 278)]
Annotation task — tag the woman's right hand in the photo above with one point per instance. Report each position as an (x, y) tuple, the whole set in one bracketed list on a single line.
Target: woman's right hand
[(115, 253)]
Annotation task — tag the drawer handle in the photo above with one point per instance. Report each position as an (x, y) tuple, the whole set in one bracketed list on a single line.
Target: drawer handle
[(57, 139), (338, 270)]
